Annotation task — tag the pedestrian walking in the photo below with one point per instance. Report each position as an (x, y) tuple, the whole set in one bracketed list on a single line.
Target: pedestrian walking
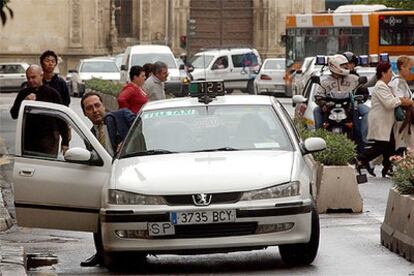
[(132, 95), (48, 61), (110, 128), (154, 85), (403, 133), (381, 119)]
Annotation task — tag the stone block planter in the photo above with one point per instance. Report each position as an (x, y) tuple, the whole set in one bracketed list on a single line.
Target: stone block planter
[(337, 189), (397, 230)]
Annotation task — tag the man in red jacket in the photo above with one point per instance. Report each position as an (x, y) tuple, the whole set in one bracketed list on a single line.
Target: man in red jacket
[(132, 95)]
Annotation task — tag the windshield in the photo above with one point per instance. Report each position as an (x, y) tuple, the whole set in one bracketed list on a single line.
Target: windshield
[(99, 66), (206, 128), (141, 59), (201, 61)]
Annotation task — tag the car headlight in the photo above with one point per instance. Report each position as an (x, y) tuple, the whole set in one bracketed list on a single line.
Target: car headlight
[(127, 198), (284, 190)]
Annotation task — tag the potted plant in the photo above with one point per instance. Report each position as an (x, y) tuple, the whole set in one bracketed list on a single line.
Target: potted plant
[(337, 188), (397, 230)]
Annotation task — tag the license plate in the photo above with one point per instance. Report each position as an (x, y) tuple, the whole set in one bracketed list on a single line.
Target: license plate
[(279, 87), (160, 228), (203, 217)]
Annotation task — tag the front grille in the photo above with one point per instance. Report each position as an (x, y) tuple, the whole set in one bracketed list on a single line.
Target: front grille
[(215, 199), (211, 230)]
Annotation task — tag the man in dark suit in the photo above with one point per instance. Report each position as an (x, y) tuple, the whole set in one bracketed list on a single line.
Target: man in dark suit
[(111, 129)]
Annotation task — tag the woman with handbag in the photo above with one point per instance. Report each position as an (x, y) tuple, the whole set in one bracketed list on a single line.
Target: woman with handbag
[(381, 119), (403, 133)]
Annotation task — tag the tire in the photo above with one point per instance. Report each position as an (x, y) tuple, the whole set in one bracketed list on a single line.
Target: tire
[(302, 253)]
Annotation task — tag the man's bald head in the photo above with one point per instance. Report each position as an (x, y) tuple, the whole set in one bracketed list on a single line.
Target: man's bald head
[(34, 75)]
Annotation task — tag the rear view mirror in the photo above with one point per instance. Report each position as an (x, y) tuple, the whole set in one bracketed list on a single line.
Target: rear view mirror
[(313, 144), (296, 99), (124, 67), (362, 80), (316, 79)]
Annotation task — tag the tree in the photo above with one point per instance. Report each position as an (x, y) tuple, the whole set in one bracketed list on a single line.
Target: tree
[(3, 9), (401, 4)]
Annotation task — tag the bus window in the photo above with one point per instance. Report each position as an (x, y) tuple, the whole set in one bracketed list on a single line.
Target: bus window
[(396, 30)]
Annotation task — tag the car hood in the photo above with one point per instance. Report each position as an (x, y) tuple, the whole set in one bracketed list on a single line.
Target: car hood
[(98, 75), (213, 172)]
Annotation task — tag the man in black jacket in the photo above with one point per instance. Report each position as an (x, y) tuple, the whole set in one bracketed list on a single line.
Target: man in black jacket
[(41, 132), (48, 61)]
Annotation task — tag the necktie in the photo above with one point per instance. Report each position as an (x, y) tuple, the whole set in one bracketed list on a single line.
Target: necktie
[(101, 134)]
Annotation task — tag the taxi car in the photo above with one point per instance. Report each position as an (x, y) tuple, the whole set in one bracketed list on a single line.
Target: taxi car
[(193, 176)]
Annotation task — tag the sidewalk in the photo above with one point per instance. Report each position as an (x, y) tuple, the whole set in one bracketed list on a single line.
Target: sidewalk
[(12, 257)]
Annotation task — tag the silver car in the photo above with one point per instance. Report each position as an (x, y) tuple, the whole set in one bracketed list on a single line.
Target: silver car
[(12, 76), (270, 78)]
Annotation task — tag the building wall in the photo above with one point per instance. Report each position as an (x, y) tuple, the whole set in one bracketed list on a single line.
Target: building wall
[(83, 28)]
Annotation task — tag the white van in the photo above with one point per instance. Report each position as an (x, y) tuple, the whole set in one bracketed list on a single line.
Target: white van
[(141, 54), (235, 66)]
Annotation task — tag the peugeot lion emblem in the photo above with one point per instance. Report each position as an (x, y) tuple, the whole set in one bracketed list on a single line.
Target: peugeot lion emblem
[(202, 199)]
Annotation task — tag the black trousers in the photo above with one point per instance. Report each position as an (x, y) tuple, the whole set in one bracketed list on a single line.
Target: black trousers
[(384, 148)]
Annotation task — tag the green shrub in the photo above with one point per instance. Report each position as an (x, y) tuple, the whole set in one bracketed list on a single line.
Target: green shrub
[(404, 172), (340, 150), (104, 86)]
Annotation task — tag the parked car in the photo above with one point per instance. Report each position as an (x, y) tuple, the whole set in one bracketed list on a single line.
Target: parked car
[(305, 104), (301, 76), (141, 54), (12, 76), (218, 191), (235, 66), (103, 68), (270, 78)]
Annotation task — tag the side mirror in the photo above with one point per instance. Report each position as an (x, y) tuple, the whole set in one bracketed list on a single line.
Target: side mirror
[(313, 144), (124, 67), (181, 67), (296, 99), (316, 79), (362, 80), (81, 155)]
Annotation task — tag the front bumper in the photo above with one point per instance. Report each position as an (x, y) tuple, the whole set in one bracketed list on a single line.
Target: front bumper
[(243, 233)]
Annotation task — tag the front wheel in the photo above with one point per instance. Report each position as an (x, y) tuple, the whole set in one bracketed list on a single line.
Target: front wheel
[(303, 253)]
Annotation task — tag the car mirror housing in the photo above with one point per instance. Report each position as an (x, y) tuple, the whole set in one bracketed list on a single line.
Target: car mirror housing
[(124, 67), (298, 99), (313, 144), (81, 155)]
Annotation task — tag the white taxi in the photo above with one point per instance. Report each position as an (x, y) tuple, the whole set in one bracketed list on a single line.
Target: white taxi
[(191, 177)]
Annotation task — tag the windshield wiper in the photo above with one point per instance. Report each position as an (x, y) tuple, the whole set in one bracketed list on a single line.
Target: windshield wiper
[(217, 149), (148, 152)]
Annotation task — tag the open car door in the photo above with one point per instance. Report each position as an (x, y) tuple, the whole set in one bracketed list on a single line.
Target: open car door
[(49, 190)]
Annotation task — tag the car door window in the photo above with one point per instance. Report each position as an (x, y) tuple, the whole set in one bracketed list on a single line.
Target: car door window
[(43, 131), (244, 60), (220, 63)]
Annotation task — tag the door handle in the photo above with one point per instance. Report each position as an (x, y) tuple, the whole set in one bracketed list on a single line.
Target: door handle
[(26, 172)]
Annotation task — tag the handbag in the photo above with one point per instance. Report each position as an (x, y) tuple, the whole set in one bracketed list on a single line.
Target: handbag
[(399, 114)]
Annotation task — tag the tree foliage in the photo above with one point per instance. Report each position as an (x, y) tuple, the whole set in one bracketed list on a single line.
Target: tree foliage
[(402, 4), (3, 9)]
